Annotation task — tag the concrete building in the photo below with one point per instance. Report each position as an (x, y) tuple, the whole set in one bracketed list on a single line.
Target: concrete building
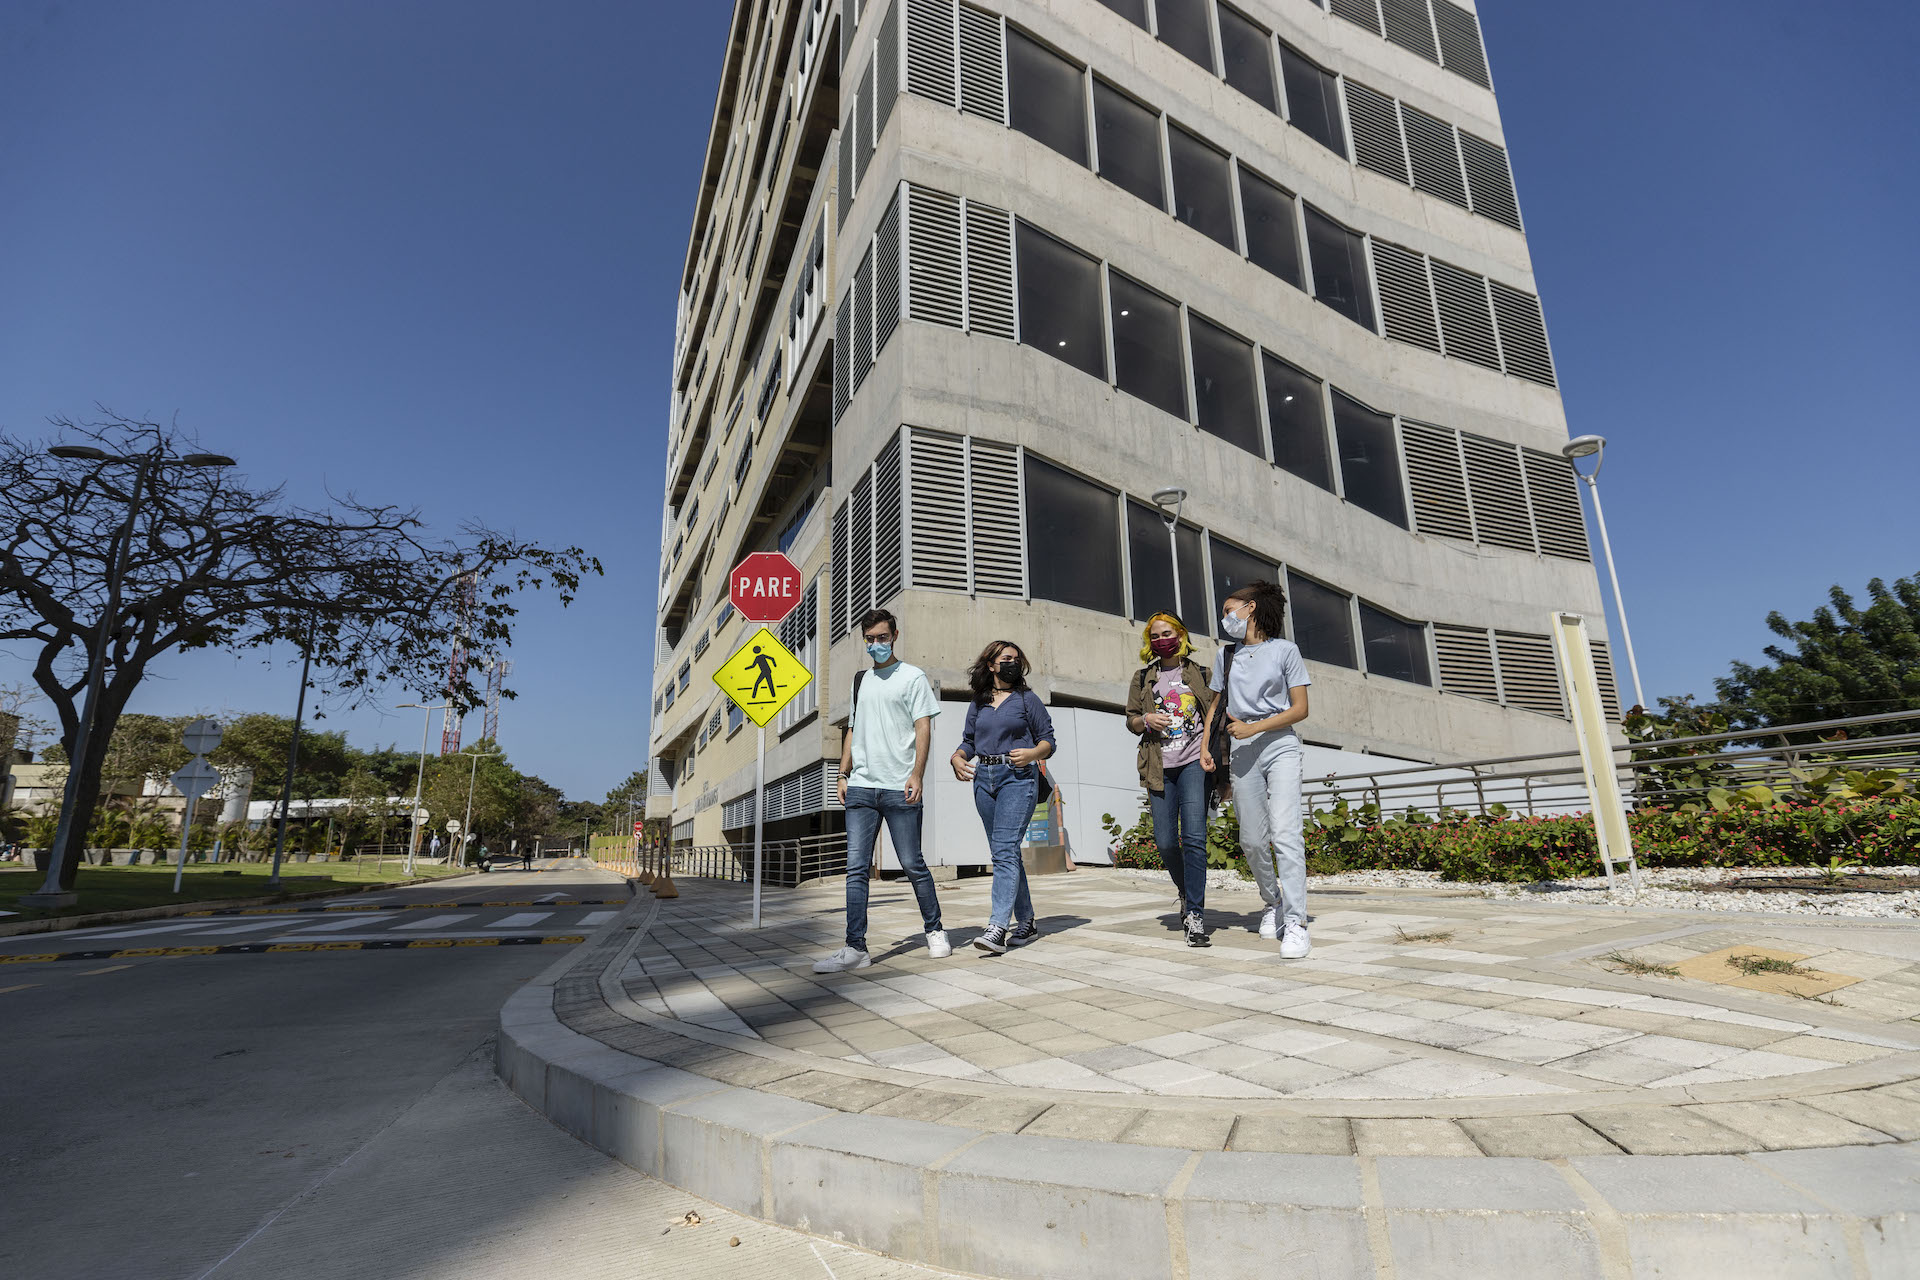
[(969, 282)]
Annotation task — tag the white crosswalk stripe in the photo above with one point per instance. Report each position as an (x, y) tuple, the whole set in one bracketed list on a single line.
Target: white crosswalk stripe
[(593, 918), (251, 927), (520, 920), (157, 928), (350, 922), (434, 922)]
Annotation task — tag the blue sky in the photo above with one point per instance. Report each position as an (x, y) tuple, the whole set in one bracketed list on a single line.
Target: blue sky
[(428, 250)]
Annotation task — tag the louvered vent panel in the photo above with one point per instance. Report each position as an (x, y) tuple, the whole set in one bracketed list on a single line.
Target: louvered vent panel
[(1556, 505), (886, 73), (1499, 495), (1466, 662), (1523, 334), (930, 50), (1439, 484), (1408, 27), (1406, 298), (933, 258), (999, 549), (842, 358), (846, 169), (989, 270), (862, 322), (1460, 49), (1364, 12), (862, 127), (1436, 163), (1489, 180), (889, 564), (983, 65), (937, 485), (1377, 144), (837, 607), (860, 549), (886, 280), (1528, 674), (1603, 668), (1465, 319)]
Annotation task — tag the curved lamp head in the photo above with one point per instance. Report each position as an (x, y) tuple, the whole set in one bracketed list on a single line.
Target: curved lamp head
[(1171, 496), (1579, 447), (208, 460), (85, 451)]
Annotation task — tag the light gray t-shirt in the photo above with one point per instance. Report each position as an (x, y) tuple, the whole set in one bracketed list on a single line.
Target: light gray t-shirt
[(891, 699), (1262, 675)]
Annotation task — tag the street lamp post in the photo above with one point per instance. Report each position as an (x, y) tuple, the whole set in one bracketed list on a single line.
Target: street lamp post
[(1174, 498), (473, 775), (51, 895), (420, 779), (1596, 448), (293, 762)]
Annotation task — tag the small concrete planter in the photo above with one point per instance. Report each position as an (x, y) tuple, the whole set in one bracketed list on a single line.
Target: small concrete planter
[(124, 857)]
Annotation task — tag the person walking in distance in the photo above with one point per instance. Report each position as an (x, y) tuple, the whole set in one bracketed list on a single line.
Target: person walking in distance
[(1167, 706), (1263, 682), (1008, 734), (883, 769)]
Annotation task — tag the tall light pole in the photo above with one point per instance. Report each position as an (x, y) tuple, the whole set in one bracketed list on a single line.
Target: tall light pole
[(1173, 498), (420, 779), (1595, 447), (293, 761), (473, 775), (51, 895)]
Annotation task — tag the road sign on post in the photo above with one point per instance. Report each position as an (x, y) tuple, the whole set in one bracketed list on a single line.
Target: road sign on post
[(765, 587), (195, 778), (761, 678)]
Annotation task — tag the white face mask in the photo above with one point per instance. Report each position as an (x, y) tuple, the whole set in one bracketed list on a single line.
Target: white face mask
[(1234, 625)]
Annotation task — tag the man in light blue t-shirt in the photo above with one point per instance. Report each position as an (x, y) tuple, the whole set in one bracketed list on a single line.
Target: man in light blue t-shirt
[(883, 766)]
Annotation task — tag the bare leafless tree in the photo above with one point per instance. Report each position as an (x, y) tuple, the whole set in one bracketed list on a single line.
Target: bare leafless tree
[(212, 563)]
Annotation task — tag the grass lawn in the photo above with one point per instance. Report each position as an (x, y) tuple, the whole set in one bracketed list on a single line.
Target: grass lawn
[(124, 888)]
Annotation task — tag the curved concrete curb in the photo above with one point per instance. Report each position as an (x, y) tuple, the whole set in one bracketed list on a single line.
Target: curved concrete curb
[(1051, 1208)]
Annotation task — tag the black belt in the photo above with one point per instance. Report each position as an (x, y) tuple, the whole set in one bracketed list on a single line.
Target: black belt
[(993, 760)]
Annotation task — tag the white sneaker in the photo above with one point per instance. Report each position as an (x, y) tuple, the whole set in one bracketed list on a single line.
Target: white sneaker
[(842, 960), (938, 948), (1270, 923), (1294, 943)]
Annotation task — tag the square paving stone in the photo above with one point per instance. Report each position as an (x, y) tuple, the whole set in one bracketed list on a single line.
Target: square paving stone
[(1881, 1109), (1113, 1057), (920, 1103), (1669, 1185), (995, 1113), (1540, 1137), (1411, 1137), (1188, 1130), (1665, 1131), (1288, 1074), (1308, 1135), (1785, 1125)]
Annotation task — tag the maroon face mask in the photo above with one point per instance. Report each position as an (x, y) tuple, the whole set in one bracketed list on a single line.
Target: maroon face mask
[(1164, 646)]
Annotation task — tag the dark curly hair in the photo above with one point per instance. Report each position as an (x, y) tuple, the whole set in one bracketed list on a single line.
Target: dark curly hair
[(980, 674), (1269, 608)]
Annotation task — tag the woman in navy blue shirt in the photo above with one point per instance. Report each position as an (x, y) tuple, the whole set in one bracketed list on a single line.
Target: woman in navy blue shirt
[(1008, 734)]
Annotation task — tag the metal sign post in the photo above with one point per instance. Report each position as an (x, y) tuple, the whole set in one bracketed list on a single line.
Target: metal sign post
[(194, 780), (759, 821)]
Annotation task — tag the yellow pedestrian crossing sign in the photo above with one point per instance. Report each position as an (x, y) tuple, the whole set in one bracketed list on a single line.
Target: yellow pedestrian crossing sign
[(763, 677)]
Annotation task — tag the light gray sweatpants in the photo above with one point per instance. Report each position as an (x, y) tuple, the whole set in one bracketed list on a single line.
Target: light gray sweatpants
[(1266, 796)]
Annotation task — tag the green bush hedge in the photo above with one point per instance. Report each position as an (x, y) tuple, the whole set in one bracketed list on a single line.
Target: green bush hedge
[(1510, 847)]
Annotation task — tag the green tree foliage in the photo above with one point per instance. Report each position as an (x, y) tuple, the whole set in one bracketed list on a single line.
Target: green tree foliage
[(1844, 661)]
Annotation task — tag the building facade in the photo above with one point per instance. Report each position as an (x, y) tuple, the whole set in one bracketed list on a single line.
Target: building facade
[(971, 281)]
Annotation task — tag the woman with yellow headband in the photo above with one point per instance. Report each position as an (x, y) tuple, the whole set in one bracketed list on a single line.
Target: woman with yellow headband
[(1167, 705)]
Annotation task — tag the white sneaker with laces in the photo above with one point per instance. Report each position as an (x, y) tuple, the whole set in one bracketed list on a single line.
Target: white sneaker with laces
[(1270, 923), (842, 960), (1294, 943), (938, 947)]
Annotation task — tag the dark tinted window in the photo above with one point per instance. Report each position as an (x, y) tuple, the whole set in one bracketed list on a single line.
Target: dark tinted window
[(1313, 101), (1060, 301), (1224, 398), (1134, 11), (1394, 648), (1073, 540), (1151, 560), (1369, 462), (1296, 419), (1273, 236), (1129, 145), (1248, 53), (1045, 97), (1202, 189), (1339, 259), (1146, 346), (1233, 569), (1322, 623), (1183, 24)]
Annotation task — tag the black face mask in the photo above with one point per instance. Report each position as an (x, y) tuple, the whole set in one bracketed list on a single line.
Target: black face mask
[(1010, 671)]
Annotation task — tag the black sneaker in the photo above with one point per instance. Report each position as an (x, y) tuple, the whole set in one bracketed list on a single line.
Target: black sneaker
[(994, 940), (1023, 933), (1196, 930)]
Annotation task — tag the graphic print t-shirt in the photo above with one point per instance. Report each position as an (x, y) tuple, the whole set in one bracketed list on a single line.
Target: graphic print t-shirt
[(1179, 741)]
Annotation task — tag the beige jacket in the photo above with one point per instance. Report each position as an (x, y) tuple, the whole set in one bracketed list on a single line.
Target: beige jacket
[(1140, 698)]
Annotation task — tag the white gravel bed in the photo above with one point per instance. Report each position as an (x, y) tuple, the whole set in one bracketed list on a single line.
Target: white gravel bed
[(1715, 889)]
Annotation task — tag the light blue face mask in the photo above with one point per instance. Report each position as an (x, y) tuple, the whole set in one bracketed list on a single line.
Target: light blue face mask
[(1234, 625), (881, 653)]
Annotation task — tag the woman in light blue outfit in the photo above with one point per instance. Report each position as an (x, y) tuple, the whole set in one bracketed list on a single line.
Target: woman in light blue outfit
[(1265, 682), (1008, 734)]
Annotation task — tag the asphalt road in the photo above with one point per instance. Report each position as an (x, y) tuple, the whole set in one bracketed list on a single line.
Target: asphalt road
[(310, 1094)]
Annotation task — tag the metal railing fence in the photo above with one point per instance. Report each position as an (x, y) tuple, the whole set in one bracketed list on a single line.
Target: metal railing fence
[(788, 863)]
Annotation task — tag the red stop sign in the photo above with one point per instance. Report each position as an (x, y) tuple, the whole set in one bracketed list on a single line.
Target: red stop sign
[(765, 587)]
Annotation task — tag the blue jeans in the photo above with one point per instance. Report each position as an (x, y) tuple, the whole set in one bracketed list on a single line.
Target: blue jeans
[(1180, 831), (1005, 795), (865, 807)]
